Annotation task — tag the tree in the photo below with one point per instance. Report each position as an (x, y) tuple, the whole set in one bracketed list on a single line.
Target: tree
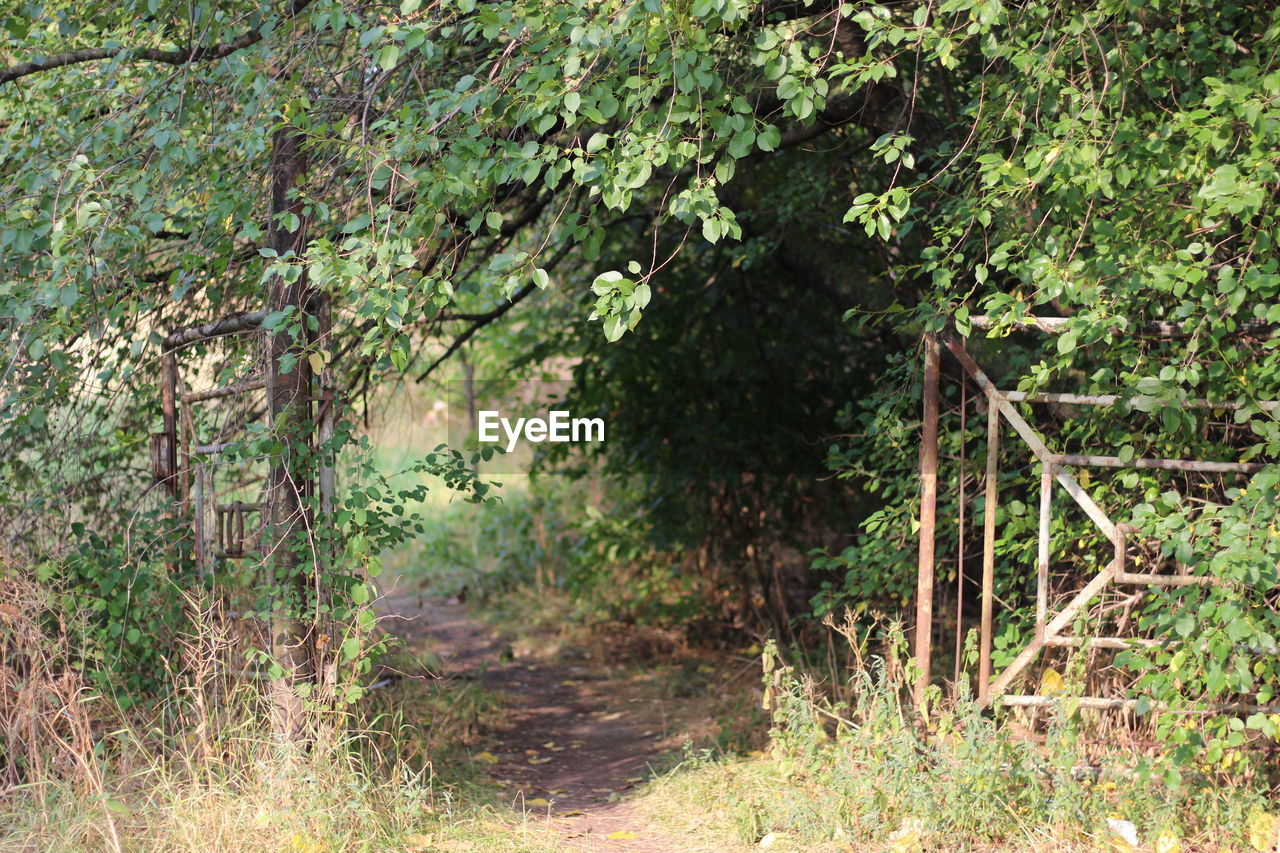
[(423, 167), (999, 158)]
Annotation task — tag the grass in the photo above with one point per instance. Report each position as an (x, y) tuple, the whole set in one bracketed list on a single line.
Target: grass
[(861, 773), (843, 770)]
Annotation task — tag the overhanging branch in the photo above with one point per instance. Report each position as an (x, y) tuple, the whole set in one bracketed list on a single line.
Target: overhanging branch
[(180, 56)]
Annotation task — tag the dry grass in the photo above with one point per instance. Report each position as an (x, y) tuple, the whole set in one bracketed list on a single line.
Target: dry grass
[(201, 772)]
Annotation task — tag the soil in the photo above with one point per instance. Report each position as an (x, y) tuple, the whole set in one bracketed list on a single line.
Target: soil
[(581, 734)]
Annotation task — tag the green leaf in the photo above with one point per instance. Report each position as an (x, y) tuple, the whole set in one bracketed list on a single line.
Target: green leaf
[(614, 328), (389, 56), (597, 142), (641, 296), (118, 807)]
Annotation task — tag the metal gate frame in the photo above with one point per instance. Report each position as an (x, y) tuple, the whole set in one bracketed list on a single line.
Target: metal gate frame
[(1049, 628), (188, 480)]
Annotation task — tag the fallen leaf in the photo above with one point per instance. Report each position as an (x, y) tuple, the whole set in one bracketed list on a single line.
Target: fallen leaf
[(300, 843), (540, 802), (909, 837), (1051, 683), (419, 842), (119, 808), (487, 758), (1125, 838), (1261, 828), (623, 835)]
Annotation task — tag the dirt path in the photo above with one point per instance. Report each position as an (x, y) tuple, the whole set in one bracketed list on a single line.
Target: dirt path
[(579, 739)]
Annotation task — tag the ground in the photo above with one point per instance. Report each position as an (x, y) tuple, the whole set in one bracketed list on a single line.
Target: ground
[(582, 731)]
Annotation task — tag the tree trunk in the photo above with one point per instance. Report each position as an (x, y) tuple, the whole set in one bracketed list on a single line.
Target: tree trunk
[(289, 413)]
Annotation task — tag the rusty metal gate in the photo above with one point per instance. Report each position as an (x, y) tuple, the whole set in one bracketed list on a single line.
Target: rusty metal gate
[(196, 469), (1051, 628)]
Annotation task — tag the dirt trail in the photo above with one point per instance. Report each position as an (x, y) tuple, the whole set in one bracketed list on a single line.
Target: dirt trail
[(578, 740)]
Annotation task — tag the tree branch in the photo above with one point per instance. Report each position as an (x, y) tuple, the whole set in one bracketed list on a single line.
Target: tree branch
[(181, 56), (479, 322)]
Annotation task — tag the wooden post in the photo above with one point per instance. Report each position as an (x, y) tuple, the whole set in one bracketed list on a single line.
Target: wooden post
[(928, 515)]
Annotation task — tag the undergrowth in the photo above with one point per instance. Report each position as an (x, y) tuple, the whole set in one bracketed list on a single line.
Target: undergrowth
[(851, 767), (199, 770)]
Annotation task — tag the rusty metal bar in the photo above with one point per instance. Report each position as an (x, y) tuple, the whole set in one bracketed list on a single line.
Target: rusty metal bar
[(198, 506), (1087, 503), (1166, 580), (1101, 642), (224, 391), (169, 413), (1089, 460), (207, 449), (1054, 325), (221, 540), (246, 507), (960, 534), (928, 515), (328, 413), (1096, 703), (988, 552), (160, 458), (242, 321), (1092, 703), (1112, 399), (1042, 549)]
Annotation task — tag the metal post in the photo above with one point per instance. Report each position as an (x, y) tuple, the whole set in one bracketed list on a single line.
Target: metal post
[(960, 533), (328, 421), (1042, 556), (198, 495), (169, 410), (928, 515), (989, 550)]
